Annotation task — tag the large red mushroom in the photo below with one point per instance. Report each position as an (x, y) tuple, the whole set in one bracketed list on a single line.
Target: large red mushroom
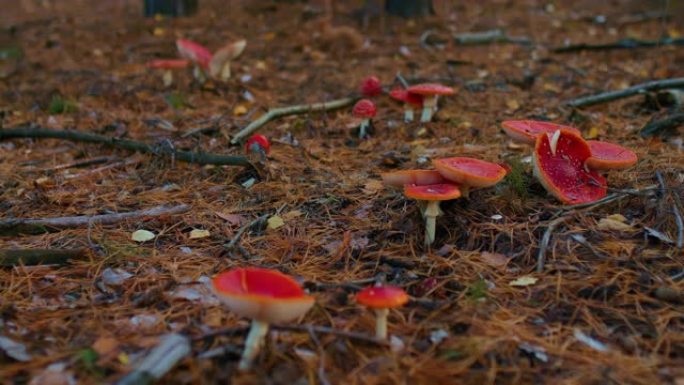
[(609, 156), (527, 131), (469, 173)]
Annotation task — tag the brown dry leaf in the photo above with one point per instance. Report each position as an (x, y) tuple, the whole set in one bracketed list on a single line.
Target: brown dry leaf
[(232, 219), (512, 104), (494, 259), (105, 345)]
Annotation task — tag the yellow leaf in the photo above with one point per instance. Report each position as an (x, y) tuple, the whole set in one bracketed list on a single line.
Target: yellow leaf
[(199, 233), (615, 222), (524, 281), (158, 31), (274, 222), (593, 133), (512, 104), (239, 110), (551, 87), (142, 236), (123, 358)]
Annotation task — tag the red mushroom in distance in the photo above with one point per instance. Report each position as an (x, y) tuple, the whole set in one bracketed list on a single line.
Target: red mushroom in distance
[(265, 296), (432, 194), (364, 109), (371, 87), (199, 55), (430, 93), (410, 101), (168, 65), (415, 177), (469, 172), (258, 144), (527, 131), (609, 156), (560, 164), (381, 299)]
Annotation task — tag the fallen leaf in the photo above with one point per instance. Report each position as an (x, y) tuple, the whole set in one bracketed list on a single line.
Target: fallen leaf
[(615, 222), (142, 236), (239, 110), (512, 104), (593, 133), (233, 219), (199, 233), (105, 345), (524, 281), (274, 222), (494, 259), (292, 214), (372, 187)]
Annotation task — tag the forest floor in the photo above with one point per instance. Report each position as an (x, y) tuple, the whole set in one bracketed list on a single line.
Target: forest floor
[(606, 307)]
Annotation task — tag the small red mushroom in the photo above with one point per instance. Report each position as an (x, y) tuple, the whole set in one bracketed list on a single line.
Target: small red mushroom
[(560, 164), (167, 65), (266, 296), (414, 177), (469, 172), (258, 144), (364, 109), (432, 194), (381, 299), (371, 87), (608, 156), (197, 54), (527, 131), (410, 100), (430, 92)]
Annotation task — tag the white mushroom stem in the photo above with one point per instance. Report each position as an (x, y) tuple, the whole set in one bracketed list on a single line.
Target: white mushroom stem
[(255, 338), (363, 127), (408, 114), (198, 73), (167, 78), (381, 323), (431, 213), (429, 106)]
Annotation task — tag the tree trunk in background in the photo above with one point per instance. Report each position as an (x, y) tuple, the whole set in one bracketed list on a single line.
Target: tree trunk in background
[(409, 8), (173, 8)]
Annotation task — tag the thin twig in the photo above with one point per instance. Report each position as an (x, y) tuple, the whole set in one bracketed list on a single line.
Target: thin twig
[(627, 92), (679, 221), (233, 242), (131, 145), (541, 256), (659, 126), (275, 113), (32, 257), (620, 44), (322, 375), (489, 37), (31, 225)]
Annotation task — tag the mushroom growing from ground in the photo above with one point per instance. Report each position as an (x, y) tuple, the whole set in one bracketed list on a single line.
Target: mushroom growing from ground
[(414, 177), (364, 109), (168, 65), (432, 194), (527, 131), (266, 296), (258, 144), (469, 172), (430, 93), (560, 164), (199, 55), (371, 87), (381, 299), (219, 65), (609, 156), (410, 101)]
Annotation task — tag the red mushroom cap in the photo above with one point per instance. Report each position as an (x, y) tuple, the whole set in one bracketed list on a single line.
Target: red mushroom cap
[(430, 89), (470, 171), (364, 108), (406, 97), (526, 131), (607, 156), (260, 140), (564, 174), (262, 294), (382, 297), (415, 177), (370, 87), (167, 63), (433, 192), (194, 52)]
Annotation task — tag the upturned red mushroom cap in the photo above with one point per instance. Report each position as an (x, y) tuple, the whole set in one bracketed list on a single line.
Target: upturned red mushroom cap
[(406, 97), (382, 297), (168, 64), (433, 192), (563, 173), (608, 156), (527, 131), (371, 87), (426, 89), (364, 108), (470, 171), (260, 140), (415, 177), (194, 52), (262, 294)]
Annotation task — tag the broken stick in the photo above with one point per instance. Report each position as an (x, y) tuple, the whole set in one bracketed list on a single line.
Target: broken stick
[(32, 257), (627, 92)]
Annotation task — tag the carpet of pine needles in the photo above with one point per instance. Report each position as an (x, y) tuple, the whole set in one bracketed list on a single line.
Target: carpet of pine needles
[(342, 229)]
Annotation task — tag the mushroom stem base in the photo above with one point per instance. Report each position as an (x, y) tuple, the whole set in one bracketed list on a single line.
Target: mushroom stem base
[(431, 213), (255, 338), (381, 323), (167, 78)]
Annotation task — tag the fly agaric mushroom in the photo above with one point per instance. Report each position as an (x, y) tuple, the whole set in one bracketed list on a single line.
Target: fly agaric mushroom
[(414, 177), (266, 296), (168, 65), (381, 299), (258, 144), (526, 131), (430, 93), (608, 156), (410, 100), (219, 65), (198, 54), (364, 109), (560, 164), (432, 194), (371, 87), (469, 172)]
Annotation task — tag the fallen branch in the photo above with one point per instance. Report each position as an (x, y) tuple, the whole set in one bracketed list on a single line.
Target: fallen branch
[(40, 225), (32, 257), (659, 126), (171, 349), (489, 37), (233, 242), (131, 145), (276, 113), (627, 92), (620, 44)]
